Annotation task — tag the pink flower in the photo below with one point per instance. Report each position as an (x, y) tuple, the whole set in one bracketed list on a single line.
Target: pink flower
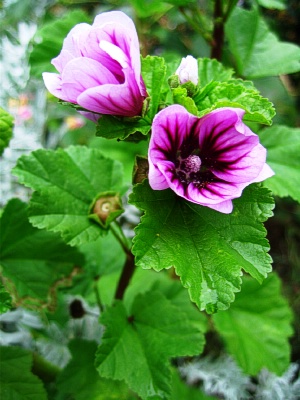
[(208, 160), (188, 70), (99, 67)]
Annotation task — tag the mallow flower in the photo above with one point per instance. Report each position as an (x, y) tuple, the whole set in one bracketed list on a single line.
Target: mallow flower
[(208, 160), (99, 67), (188, 70)]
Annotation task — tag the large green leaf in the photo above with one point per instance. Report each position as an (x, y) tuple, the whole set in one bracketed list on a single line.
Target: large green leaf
[(49, 39), (34, 262), (257, 326), (137, 346), (80, 379), (17, 382), (257, 51), (6, 125), (67, 183), (283, 145), (208, 249), (111, 127)]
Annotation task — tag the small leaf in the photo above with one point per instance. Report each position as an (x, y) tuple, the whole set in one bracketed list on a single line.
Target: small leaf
[(17, 382), (34, 262), (235, 93), (256, 49), (6, 125), (49, 39), (111, 127), (208, 249), (283, 145), (80, 380), (153, 72), (257, 326), (180, 96), (136, 347), (68, 182)]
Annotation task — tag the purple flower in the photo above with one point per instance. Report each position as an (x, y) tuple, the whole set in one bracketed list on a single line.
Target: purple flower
[(99, 67), (208, 160)]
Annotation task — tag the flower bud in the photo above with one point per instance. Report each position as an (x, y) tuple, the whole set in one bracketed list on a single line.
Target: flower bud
[(188, 70), (106, 208)]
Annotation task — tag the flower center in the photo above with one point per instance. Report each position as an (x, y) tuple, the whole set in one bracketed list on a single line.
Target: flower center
[(187, 168)]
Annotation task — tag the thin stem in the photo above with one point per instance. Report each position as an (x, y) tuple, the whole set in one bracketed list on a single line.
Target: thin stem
[(127, 273), (129, 266), (97, 294), (218, 33), (119, 235)]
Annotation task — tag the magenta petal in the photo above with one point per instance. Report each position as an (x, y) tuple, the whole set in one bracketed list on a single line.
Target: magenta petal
[(265, 173), (157, 179)]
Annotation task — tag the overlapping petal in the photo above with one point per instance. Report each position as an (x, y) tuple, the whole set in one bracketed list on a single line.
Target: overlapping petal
[(99, 67), (208, 160)]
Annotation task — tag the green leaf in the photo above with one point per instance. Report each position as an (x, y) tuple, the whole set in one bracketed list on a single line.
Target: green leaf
[(283, 145), (5, 300), (149, 8), (257, 51), (273, 4), (212, 70), (208, 249), (153, 72), (137, 346), (80, 380), (6, 125), (257, 326), (235, 93), (34, 262), (68, 182), (111, 127), (17, 382), (49, 39)]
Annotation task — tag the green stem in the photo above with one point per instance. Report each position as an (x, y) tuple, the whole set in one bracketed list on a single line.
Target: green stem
[(119, 235), (97, 294)]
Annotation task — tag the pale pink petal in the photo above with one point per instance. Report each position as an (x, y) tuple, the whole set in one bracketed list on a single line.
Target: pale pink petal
[(265, 173), (81, 74), (123, 100), (53, 83)]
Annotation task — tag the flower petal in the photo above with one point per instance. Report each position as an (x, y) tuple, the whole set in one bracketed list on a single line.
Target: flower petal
[(81, 74), (124, 100), (72, 45), (53, 83)]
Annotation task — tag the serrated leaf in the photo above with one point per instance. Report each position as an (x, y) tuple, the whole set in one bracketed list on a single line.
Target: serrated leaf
[(212, 70), (17, 382), (283, 145), (154, 72), (6, 125), (34, 262), (257, 326), (207, 249), (256, 49), (67, 184), (80, 380), (137, 346), (49, 39), (111, 127), (235, 94)]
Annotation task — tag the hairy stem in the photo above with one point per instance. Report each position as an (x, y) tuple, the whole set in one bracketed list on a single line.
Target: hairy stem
[(218, 33)]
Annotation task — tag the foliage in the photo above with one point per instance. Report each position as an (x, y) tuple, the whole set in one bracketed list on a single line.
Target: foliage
[(130, 285)]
